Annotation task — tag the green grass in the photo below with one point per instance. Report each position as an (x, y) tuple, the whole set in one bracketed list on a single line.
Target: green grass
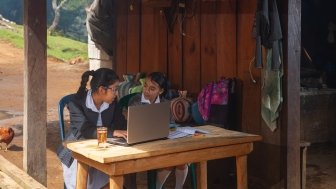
[(58, 47), (65, 48), (14, 36)]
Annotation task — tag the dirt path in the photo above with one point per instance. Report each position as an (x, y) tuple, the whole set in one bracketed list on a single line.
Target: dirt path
[(63, 79)]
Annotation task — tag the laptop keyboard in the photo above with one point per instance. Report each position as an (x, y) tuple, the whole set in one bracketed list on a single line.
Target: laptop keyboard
[(118, 141)]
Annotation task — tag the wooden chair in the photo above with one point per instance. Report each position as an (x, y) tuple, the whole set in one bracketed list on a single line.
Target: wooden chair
[(123, 102)]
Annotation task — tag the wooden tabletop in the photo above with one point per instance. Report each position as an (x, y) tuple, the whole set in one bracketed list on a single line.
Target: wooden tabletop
[(114, 153)]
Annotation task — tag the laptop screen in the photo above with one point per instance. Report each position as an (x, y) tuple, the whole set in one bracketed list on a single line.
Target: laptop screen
[(148, 122)]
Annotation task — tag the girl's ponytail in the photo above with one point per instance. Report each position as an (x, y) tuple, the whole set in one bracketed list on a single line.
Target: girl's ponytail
[(85, 78), (101, 77)]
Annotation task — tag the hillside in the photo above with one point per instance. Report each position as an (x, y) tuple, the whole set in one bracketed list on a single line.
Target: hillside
[(59, 47), (72, 19)]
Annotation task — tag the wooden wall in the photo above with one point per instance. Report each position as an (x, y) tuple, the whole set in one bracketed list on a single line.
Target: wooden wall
[(201, 46), (212, 40)]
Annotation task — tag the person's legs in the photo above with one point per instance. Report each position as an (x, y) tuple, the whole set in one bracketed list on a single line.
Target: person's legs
[(162, 176), (181, 173), (97, 179), (69, 175)]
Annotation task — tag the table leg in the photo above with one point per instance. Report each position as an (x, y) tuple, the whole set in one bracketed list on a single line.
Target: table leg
[(116, 182), (82, 175), (241, 164), (201, 168)]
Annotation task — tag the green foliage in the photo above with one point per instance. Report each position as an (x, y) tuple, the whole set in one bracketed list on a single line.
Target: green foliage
[(12, 10), (72, 24), (59, 47), (73, 5), (72, 20)]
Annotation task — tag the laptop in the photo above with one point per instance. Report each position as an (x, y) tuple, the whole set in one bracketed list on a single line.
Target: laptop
[(145, 123)]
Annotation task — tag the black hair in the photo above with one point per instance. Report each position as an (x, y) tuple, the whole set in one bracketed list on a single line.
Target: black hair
[(101, 77), (161, 80)]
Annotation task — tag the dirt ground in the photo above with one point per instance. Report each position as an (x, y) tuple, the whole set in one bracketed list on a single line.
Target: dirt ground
[(64, 78)]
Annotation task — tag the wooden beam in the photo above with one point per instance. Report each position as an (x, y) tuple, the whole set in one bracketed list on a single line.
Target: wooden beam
[(35, 90), (290, 128), (120, 64)]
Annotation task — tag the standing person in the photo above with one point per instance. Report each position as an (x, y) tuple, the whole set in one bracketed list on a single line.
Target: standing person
[(154, 89), (90, 109)]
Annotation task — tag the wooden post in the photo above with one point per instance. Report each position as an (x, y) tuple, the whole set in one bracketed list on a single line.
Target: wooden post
[(290, 128), (35, 90)]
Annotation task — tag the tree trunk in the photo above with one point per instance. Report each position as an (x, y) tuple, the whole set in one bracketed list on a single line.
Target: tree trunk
[(56, 20), (57, 10)]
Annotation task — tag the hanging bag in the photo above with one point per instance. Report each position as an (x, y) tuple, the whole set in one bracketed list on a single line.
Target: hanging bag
[(213, 93), (180, 108)]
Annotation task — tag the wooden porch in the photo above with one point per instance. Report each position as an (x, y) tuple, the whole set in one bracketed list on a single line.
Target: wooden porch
[(211, 41)]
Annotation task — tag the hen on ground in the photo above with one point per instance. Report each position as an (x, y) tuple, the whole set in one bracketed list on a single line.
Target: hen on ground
[(6, 136)]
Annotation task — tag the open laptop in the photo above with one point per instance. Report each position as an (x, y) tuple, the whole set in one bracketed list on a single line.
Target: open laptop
[(145, 123)]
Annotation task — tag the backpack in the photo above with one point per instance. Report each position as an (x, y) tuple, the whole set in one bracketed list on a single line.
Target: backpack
[(214, 100)]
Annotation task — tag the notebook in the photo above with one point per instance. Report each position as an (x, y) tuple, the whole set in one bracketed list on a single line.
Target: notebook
[(145, 123)]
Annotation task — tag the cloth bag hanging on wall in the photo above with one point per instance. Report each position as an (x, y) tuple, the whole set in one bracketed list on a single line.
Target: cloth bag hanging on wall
[(181, 108)]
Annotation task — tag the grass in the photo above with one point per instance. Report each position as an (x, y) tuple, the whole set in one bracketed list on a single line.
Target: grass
[(58, 47), (13, 36), (66, 49)]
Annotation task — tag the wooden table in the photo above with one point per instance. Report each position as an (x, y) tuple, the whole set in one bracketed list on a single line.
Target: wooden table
[(119, 160)]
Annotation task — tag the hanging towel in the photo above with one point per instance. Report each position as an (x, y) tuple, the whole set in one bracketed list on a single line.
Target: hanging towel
[(267, 32), (271, 91)]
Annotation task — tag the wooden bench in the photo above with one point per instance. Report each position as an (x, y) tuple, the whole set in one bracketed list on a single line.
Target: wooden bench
[(20, 177)]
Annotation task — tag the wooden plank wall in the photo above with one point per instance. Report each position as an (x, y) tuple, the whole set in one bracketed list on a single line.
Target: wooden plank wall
[(209, 39), (201, 46)]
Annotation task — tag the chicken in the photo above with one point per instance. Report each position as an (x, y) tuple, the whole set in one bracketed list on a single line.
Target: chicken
[(6, 136)]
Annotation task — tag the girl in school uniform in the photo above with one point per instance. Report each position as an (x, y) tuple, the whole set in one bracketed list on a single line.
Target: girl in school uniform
[(154, 89), (90, 109)]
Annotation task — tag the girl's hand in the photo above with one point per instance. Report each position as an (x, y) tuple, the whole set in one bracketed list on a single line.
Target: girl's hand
[(120, 133)]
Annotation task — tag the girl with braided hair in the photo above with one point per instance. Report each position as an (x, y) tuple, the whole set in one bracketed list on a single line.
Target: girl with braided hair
[(89, 109)]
